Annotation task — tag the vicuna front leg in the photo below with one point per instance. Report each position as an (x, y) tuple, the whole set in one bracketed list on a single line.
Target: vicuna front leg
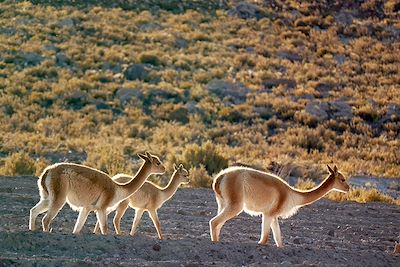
[(83, 214), (41, 206), (218, 221), (276, 232), (97, 226), (102, 219), (136, 220), (266, 224), (156, 222)]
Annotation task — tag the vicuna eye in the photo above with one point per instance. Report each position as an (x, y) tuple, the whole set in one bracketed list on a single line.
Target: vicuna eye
[(157, 163)]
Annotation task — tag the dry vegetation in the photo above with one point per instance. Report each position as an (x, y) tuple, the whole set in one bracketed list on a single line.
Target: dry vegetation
[(206, 83)]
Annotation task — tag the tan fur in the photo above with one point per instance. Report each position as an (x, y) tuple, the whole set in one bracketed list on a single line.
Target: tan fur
[(256, 192), (149, 197), (86, 189)]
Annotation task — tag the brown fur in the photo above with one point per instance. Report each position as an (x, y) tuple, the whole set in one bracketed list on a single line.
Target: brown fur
[(42, 181), (240, 189), (85, 189), (149, 197)]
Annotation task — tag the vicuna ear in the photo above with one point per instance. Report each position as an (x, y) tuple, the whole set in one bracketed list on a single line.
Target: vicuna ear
[(181, 166), (142, 156), (335, 169), (330, 169), (149, 156), (175, 168)]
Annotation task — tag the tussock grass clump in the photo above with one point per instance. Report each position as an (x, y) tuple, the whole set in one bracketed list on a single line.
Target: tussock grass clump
[(206, 155), (18, 164), (199, 177), (363, 195)]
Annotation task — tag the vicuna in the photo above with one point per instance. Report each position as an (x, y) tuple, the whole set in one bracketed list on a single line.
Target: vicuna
[(86, 189), (240, 189), (149, 197)]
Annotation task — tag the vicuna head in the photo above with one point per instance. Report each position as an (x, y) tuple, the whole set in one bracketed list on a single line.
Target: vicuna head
[(181, 174), (153, 163), (339, 181)]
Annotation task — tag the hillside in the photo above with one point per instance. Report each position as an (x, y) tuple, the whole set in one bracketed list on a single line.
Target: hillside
[(211, 83)]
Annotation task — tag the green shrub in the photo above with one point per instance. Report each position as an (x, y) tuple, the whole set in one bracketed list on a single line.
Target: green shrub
[(199, 177), (195, 156), (19, 164), (150, 59), (108, 159)]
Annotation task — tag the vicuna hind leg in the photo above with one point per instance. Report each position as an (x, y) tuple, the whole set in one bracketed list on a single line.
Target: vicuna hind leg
[(119, 213), (40, 207), (266, 223), (218, 221), (54, 208), (276, 232)]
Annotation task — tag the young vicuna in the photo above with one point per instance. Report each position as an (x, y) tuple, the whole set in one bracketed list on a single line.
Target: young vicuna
[(86, 189), (149, 197), (240, 189)]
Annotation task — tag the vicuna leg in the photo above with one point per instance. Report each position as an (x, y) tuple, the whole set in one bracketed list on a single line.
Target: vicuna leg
[(119, 213), (156, 222), (220, 203), (40, 207), (218, 221), (276, 232), (83, 213), (97, 226), (266, 223), (136, 221), (54, 209), (102, 219)]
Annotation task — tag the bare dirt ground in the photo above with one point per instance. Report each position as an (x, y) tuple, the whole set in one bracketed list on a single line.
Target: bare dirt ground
[(325, 233)]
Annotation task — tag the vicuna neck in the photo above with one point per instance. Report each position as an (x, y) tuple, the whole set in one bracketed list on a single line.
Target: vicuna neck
[(172, 187), (310, 196), (140, 177)]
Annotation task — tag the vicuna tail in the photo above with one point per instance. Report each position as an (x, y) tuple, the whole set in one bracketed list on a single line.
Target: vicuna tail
[(42, 180), (216, 185)]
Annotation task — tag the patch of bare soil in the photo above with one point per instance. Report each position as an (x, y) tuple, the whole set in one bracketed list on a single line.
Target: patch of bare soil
[(324, 233)]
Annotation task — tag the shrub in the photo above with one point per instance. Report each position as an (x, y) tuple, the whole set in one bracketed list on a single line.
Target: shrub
[(19, 164), (108, 159), (363, 195), (199, 177), (150, 59), (195, 156)]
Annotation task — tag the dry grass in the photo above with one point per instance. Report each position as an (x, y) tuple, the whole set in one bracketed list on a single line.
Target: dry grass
[(62, 82)]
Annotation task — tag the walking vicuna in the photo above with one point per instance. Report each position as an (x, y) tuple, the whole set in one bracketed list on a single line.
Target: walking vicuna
[(149, 197), (240, 189), (86, 189)]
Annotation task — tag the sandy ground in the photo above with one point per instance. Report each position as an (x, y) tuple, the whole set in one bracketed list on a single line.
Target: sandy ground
[(323, 234)]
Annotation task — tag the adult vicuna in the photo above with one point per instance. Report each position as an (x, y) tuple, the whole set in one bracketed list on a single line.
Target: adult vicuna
[(240, 189), (86, 189), (149, 197)]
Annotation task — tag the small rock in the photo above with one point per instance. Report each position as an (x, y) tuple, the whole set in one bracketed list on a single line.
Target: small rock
[(233, 92), (246, 10), (156, 247), (296, 241), (289, 55), (136, 72), (331, 233)]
